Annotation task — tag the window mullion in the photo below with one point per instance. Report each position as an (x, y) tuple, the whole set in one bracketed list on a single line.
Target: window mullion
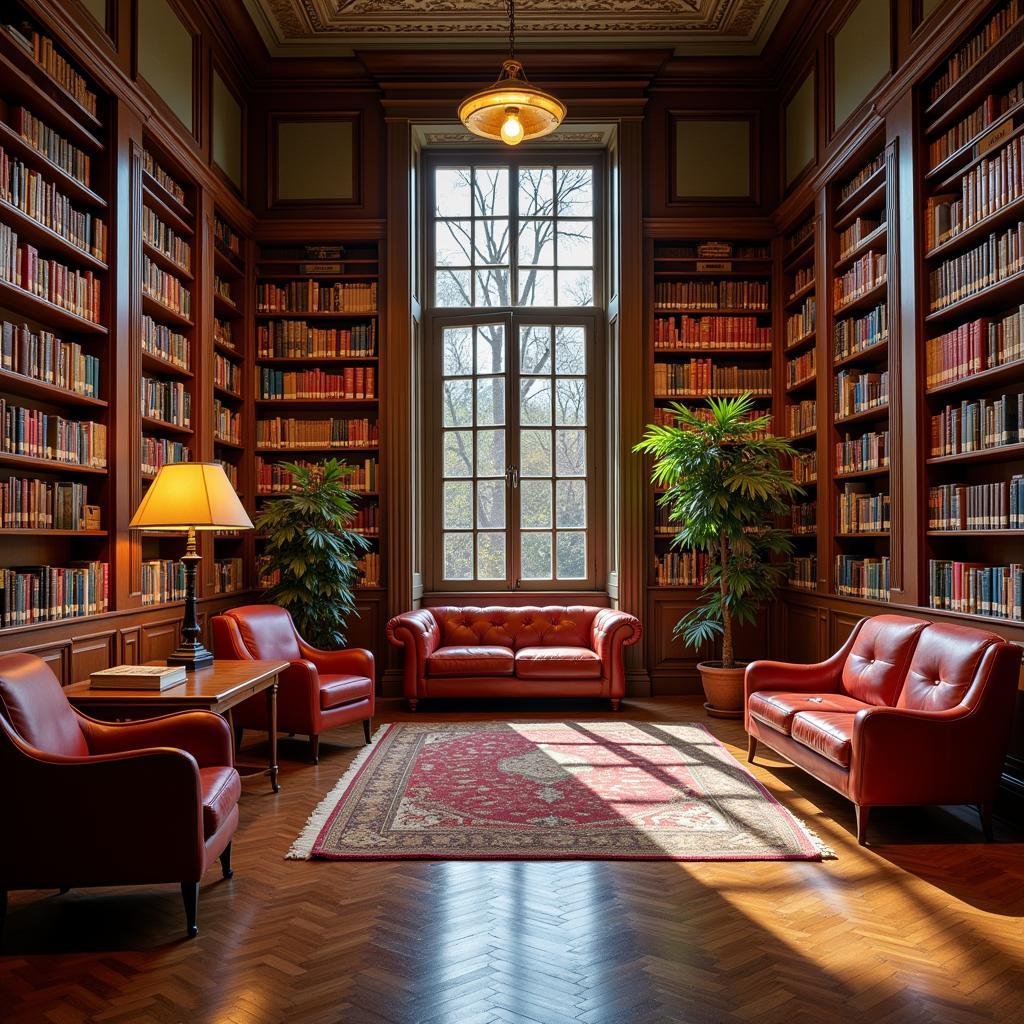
[(513, 453)]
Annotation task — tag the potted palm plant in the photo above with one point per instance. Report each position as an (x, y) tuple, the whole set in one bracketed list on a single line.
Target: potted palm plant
[(726, 485), (311, 554)]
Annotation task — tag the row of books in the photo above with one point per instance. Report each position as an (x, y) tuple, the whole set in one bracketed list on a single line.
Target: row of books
[(862, 577), (861, 512), (163, 579), (857, 334), (805, 467), (228, 576), (855, 391), (163, 341), (703, 377), (74, 290), (47, 56), (165, 239), (165, 288), (29, 191), (51, 144), (805, 231), (44, 357), (222, 334), (752, 295), (226, 373), (667, 417), (994, 260), (315, 296), (225, 236), (865, 274), (800, 368), (27, 503), (274, 478), (860, 229), (710, 332), (869, 451), (974, 346), (801, 417), (801, 279), (366, 520), (715, 251), (230, 471), (860, 177), (992, 506), (664, 525), (222, 286), (970, 127), (995, 591), (47, 593), (356, 382), (43, 435), (803, 572), (681, 569), (977, 424), (281, 432), (294, 339), (166, 400), (227, 423), (802, 323), (153, 168), (368, 568), (159, 451), (803, 518)]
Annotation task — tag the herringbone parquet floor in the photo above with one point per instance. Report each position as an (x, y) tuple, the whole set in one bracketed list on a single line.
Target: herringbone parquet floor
[(925, 926)]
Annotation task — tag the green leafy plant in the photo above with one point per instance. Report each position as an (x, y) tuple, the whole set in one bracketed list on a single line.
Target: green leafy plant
[(308, 541), (726, 488)]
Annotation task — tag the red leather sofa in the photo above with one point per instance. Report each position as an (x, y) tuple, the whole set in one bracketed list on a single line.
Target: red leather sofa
[(89, 803), (320, 690), (906, 713), (554, 651)]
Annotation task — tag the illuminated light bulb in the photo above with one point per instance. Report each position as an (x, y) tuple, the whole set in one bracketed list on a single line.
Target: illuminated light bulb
[(512, 127)]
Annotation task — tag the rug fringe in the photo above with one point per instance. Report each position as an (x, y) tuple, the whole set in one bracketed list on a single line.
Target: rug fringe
[(302, 848), (826, 851)]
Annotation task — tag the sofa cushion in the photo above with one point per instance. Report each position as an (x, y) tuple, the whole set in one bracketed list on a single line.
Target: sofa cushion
[(221, 789), (944, 666), (877, 663), (828, 733), (777, 709), (471, 661), (557, 663), (342, 689)]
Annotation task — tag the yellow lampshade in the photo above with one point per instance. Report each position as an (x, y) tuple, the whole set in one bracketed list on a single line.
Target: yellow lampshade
[(191, 495), (512, 110)]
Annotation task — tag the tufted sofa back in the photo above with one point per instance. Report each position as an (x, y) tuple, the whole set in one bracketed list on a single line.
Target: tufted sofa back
[(946, 663), (550, 626), (877, 663)]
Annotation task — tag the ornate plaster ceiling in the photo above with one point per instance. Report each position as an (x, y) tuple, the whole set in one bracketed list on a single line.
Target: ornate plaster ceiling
[(336, 27)]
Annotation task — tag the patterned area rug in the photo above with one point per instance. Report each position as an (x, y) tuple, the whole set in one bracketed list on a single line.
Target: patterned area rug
[(551, 791)]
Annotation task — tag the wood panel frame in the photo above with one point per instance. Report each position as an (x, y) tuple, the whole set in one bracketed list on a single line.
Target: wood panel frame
[(312, 205)]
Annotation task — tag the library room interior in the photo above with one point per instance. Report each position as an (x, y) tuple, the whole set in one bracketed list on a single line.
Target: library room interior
[(512, 513)]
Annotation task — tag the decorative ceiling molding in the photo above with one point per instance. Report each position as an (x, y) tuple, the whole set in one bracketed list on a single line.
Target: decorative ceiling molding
[(591, 136), (340, 27)]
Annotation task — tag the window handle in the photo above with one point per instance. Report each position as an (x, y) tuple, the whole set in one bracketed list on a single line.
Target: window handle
[(512, 477)]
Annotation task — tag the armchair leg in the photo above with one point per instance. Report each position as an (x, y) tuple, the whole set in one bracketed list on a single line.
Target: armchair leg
[(616, 703), (225, 862), (863, 813), (413, 702), (751, 748), (985, 811), (367, 728), (314, 748), (190, 897)]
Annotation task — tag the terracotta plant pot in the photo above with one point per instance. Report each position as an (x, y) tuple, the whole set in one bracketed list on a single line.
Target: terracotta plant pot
[(723, 688)]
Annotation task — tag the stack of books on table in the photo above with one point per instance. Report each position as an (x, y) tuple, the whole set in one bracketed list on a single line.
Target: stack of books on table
[(138, 677)]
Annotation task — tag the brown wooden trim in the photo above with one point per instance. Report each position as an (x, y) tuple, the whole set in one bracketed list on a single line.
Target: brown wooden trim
[(275, 119), (753, 119)]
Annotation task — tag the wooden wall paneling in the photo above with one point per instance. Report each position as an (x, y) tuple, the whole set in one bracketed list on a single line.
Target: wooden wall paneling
[(841, 625), (91, 652), (56, 654), (131, 638), (672, 665), (158, 637), (800, 633)]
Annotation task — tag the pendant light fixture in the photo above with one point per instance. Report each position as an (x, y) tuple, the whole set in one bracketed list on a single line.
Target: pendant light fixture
[(512, 110)]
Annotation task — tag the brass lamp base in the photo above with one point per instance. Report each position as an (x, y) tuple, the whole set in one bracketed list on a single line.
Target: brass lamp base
[(192, 656)]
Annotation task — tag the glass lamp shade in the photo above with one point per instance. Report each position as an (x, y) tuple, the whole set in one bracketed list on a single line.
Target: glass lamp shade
[(191, 496), (511, 99)]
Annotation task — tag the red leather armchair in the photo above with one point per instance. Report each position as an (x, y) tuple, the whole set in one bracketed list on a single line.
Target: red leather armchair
[(320, 690), (907, 712), (94, 803), (554, 651)]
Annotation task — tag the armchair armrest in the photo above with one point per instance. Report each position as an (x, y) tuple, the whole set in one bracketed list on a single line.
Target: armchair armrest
[(202, 734), (354, 661), (418, 632), (610, 632)]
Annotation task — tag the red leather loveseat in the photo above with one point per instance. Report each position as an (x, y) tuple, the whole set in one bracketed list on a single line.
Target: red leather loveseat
[(573, 651), (906, 713)]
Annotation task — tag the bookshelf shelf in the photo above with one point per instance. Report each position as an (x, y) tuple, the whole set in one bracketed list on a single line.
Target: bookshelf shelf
[(1007, 214), (37, 532), (47, 465), (159, 311), (45, 238), (875, 240), (20, 300), (315, 316), (942, 171), (74, 189), (865, 300), (151, 361), (876, 412), (1007, 373), (860, 474), (16, 383), (795, 300), (999, 453), (151, 423), (869, 196), (1002, 293), (879, 352), (166, 263)]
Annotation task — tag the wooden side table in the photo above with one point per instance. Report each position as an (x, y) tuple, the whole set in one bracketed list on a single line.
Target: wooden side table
[(218, 688)]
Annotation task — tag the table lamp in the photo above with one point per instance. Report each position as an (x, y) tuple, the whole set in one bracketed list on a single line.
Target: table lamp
[(191, 496)]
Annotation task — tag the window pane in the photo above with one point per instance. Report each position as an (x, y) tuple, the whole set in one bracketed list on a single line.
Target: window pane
[(570, 452), (490, 505), (457, 404), (453, 243), (453, 288), (452, 192), (490, 556), (575, 288), (490, 238), (537, 243), (536, 192), (575, 192), (457, 343), (458, 556), (490, 453), (535, 504), (535, 401), (535, 453), (571, 503), (490, 402), (490, 191), (570, 401), (572, 556), (492, 288), (490, 349), (458, 505), (575, 243), (458, 453), (536, 288), (535, 350), (536, 556)]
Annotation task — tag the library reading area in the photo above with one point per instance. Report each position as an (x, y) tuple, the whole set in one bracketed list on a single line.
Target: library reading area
[(511, 516)]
